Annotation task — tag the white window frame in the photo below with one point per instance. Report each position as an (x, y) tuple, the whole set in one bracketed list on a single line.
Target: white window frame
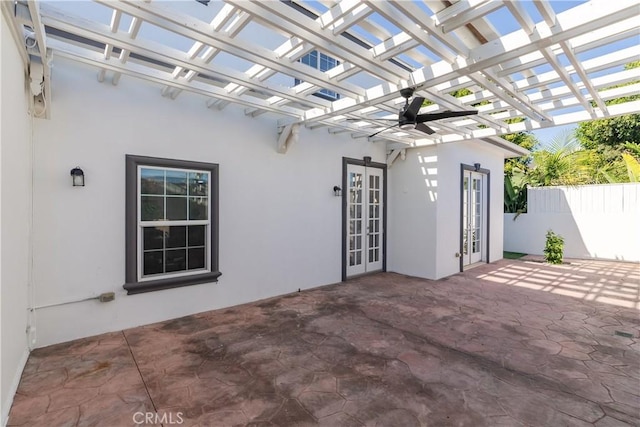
[(170, 223)]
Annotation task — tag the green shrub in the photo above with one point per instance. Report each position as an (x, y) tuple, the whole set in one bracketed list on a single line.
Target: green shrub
[(553, 249)]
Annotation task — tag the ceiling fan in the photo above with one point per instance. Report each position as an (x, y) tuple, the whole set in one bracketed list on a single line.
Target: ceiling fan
[(408, 117)]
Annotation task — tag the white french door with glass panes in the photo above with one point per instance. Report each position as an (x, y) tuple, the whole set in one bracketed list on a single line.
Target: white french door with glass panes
[(473, 218), (364, 217)]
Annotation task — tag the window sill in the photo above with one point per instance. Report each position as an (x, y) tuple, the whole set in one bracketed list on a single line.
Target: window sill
[(170, 283)]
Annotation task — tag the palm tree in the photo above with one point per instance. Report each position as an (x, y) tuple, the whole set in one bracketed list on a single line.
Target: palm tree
[(560, 162)]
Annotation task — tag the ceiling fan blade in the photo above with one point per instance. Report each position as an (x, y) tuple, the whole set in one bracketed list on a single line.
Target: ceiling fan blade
[(424, 128), (387, 128), (412, 110), (421, 118)]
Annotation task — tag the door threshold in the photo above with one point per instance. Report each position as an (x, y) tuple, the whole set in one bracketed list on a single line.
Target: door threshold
[(474, 265), (368, 273)]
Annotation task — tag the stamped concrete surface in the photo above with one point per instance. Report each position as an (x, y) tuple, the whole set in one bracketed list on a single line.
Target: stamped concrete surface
[(513, 343)]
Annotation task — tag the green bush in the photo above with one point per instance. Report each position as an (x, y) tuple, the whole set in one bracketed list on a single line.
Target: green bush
[(553, 249)]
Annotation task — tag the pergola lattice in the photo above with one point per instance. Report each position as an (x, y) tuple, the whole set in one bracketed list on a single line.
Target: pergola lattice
[(552, 68)]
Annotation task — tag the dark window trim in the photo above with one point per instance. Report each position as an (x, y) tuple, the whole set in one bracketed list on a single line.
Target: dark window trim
[(487, 172), (360, 162), (132, 285)]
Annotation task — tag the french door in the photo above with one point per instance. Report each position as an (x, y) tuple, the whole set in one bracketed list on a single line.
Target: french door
[(473, 217), (364, 220)]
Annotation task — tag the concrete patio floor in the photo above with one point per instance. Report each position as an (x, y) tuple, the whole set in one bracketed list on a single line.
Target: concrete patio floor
[(507, 344)]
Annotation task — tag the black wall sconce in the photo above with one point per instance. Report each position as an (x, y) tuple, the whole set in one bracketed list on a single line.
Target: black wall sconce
[(476, 166), (367, 160), (337, 191), (77, 177)]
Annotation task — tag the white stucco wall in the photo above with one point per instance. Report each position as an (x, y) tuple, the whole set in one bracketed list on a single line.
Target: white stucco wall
[(596, 221), (280, 224), (603, 236), (15, 214), (424, 207), (413, 192), (451, 156)]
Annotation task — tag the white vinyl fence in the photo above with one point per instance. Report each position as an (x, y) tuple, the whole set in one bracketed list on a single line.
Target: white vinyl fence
[(596, 221)]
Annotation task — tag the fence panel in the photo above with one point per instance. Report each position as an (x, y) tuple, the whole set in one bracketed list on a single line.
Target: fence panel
[(596, 221)]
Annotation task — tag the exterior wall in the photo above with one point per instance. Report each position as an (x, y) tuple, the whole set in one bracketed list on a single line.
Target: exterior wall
[(15, 214), (424, 207), (412, 200), (280, 224), (595, 221), (451, 156)]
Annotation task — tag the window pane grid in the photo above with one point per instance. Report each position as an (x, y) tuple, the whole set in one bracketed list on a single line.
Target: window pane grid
[(321, 62), (173, 249), (173, 195), (173, 218)]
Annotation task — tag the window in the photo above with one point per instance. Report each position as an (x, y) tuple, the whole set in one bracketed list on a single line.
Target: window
[(172, 223), (321, 62)]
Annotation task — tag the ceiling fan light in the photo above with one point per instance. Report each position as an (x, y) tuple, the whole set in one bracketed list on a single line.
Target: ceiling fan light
[(406, 126)]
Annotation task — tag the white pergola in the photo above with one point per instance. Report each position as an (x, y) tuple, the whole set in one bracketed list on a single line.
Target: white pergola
[(550, 68)]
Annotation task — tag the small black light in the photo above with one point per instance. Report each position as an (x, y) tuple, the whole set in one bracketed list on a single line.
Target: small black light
[(476, 166), (337, 191), (77, 176), (367, 160)]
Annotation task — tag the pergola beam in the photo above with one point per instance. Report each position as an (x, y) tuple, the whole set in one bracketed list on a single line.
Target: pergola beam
[(544, 72), (77, 54)]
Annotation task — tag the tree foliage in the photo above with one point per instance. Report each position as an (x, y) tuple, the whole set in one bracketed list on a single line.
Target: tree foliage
[(612, 132)]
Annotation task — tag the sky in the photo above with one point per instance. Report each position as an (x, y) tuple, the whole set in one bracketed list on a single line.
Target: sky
[(547, 135)]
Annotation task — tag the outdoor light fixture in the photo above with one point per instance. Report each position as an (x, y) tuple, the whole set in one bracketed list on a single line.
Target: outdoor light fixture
[(367, 160), (77, 175), (476, 166), (337, 191)]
